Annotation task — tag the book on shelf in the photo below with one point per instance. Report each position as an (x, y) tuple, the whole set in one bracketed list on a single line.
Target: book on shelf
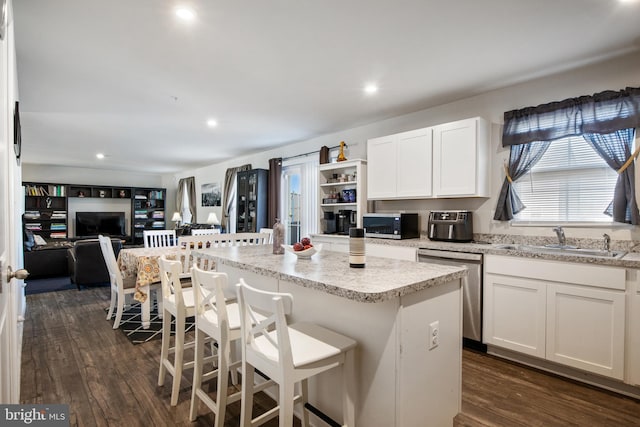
[(158, 215), (34, 226), (58, 235), (140, 197), (155, 194), (31, 214), (58, 226), (41, 190), (140, 216), (157, 224), (139, 225)]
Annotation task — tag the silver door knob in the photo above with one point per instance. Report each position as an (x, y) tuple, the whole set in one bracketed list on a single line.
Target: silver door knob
[(18, 274)]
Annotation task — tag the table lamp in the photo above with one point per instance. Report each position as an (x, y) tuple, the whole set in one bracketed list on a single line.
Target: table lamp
[(213, 220), (176, 218)]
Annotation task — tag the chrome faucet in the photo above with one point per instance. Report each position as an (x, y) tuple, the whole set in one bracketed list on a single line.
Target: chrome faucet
[(607, 242), (560, 233)]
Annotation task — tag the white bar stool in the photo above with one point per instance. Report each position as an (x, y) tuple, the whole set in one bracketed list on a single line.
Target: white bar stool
[(288, 354)]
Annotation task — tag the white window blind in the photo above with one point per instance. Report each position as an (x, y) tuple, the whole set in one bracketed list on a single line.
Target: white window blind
[(571, 183)]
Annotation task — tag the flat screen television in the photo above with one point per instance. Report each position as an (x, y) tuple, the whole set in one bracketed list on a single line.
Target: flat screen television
[(90, 224)]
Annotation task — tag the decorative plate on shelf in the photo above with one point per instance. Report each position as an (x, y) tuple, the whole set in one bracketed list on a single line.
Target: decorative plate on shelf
[(307, 253)]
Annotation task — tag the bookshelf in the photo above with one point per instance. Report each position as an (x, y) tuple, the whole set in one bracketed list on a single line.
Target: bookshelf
[(99, 191), (45, 209), (147, 211)]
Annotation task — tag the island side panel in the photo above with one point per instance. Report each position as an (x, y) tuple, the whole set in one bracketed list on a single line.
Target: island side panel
[(373, 326), (430, 380)]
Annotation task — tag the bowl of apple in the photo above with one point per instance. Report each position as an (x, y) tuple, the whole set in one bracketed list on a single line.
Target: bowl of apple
[(303, 249)]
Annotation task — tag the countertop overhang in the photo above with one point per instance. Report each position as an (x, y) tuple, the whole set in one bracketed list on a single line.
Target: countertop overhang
[(382, 279)]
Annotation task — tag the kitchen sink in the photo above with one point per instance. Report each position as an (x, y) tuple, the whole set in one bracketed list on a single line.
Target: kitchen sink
[(564, 250)]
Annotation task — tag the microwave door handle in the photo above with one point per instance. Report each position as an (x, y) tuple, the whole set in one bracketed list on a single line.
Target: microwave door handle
[(450, 231)]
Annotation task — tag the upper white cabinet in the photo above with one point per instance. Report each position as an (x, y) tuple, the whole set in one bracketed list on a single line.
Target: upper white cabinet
[(461, 159), (449, 160), (402, 165)]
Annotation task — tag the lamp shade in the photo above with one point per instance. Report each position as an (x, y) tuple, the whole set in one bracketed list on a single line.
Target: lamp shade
[(213, 219), (176, 217)]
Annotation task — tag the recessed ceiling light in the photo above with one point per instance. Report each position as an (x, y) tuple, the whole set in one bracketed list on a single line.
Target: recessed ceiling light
[(185, 14), (100, 156), (212, 123), (370, 89)]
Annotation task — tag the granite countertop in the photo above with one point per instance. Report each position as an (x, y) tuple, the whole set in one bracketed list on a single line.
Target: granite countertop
[(493, 245), (382, 279)]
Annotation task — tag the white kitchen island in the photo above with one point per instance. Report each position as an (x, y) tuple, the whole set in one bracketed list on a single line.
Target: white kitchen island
[(390, 308)]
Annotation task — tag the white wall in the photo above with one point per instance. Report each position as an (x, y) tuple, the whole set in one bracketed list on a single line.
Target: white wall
[(615, 74)]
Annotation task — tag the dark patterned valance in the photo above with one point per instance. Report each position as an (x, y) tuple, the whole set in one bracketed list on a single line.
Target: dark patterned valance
[(601, 113)]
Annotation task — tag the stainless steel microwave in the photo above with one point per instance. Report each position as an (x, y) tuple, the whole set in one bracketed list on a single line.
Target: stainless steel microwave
[(391, 225)]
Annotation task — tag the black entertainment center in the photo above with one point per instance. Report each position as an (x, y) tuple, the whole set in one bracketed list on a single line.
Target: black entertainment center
[(120, 212)]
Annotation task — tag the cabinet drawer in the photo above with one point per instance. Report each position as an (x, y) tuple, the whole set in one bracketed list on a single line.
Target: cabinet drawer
[(557, 271)]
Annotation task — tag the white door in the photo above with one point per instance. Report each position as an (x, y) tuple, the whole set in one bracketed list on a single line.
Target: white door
[(12, 294)]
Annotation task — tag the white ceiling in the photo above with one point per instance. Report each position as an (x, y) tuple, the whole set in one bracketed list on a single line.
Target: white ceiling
[(128, 79)]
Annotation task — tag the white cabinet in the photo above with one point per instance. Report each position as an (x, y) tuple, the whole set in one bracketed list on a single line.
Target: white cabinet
[(633, 355), (343, 186), (461, 159), (569, 313), (585, 328), (448, 160), (402, 165), (514, 314)]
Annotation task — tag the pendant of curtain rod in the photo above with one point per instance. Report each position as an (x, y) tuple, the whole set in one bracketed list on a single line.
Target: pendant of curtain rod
[(311, 152)]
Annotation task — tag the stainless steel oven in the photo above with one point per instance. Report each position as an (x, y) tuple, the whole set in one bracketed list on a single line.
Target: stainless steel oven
[(471, 289)]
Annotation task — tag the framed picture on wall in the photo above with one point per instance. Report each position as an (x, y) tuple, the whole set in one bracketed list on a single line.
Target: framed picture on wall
[(211, 194)]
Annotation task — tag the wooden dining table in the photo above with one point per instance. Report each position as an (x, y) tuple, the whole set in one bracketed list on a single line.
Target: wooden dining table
[(142, 263)]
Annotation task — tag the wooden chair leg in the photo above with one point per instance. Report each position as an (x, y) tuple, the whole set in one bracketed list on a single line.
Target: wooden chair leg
[(304, 391), (178, 362), (246, 405), (285, 401), (197, 375), (164, 347)]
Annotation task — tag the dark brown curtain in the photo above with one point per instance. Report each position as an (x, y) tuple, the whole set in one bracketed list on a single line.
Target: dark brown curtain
[(190, 184), (273, 191), (227, 199)]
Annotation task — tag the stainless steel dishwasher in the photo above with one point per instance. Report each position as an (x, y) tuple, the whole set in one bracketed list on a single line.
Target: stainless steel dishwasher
[(471, 289)]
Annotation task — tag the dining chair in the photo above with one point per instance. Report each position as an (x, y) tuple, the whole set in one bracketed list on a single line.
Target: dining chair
[(288, 354), (159, 238), (189, 243), (249, 239), (119, 287), (268, 231), (177, 302), (204, 231)]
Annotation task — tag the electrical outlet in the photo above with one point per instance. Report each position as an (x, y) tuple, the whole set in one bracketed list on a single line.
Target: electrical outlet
[(434, 334)]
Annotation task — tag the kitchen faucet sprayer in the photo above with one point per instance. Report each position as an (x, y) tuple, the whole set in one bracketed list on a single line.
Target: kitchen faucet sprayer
[(607, 242)]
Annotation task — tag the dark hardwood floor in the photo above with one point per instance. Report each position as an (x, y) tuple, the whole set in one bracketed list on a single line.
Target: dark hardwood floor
[(71, 355)]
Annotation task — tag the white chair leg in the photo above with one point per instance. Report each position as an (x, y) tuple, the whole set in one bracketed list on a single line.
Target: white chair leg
[(119, 310), (178, 363), (234, 357), (349, 390), (197, 375), (285, 401), (223, 384), (164, 348), (304, 391), (246, 405), (114, 297)]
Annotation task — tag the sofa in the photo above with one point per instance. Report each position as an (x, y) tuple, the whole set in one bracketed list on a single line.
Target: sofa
[(86, 263)]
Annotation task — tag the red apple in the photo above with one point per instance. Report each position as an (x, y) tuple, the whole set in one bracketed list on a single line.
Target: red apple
[(305, 241), (298, 246), (307, 246)]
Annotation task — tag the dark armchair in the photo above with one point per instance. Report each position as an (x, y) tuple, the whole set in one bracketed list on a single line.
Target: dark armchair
[(86, 264)]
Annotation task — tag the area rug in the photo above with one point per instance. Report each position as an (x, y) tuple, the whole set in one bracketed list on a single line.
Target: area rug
[(131, 324)]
